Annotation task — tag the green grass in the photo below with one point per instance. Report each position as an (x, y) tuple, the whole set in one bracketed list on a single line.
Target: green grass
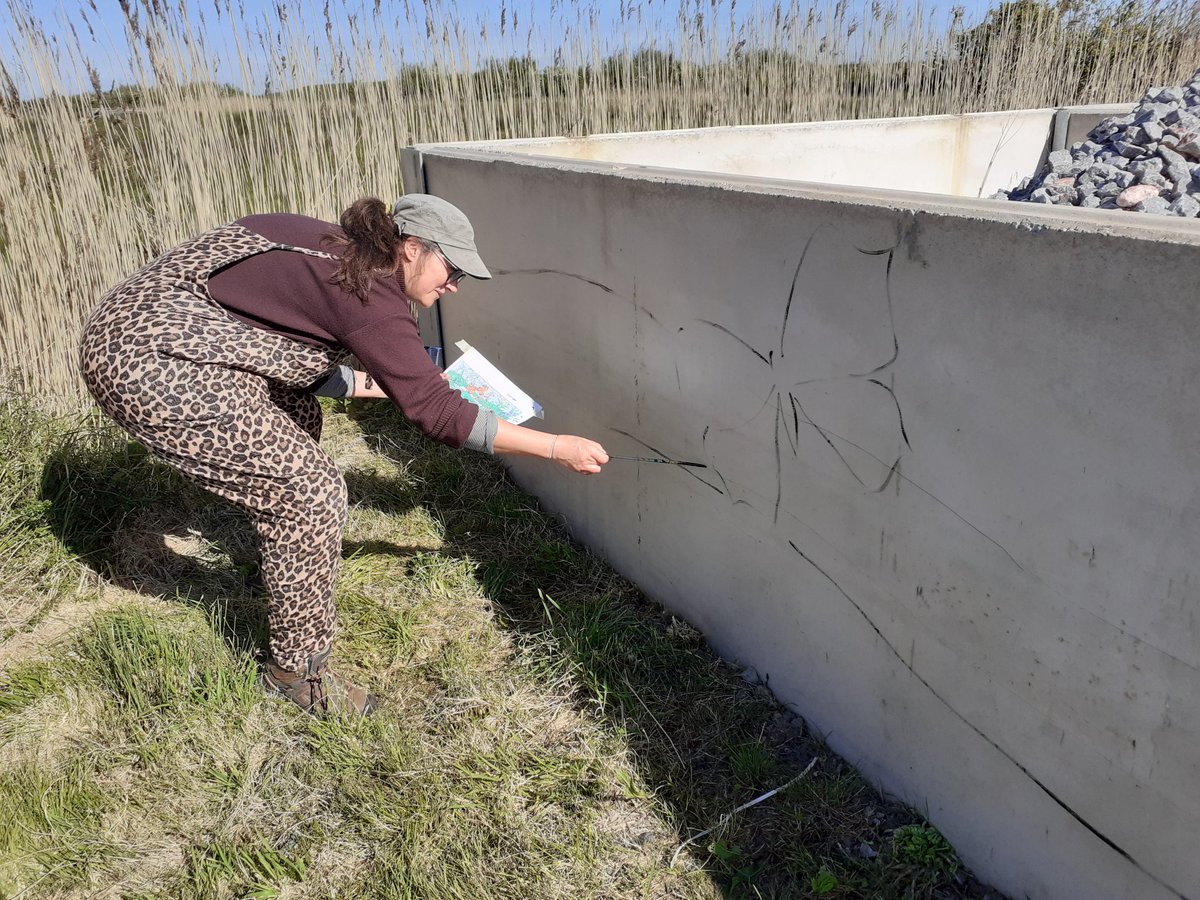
[(247, 869), (753, 764), (24, 685), (52, 836), (546, 732), (923, 845), (37, 571), (152, 667)]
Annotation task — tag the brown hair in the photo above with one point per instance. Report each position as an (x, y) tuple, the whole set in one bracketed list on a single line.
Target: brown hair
[(370, 246)]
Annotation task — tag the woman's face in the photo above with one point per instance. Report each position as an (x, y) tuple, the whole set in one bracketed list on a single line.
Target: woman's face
[(426, 275)]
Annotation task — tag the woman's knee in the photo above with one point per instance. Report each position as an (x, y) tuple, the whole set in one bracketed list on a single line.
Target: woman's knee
[(327, 494), (312, 505)]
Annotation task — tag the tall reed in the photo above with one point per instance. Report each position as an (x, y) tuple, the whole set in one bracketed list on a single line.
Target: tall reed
[(94, 181)]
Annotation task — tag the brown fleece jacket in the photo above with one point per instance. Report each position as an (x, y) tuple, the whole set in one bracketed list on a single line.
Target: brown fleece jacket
[(289, 293)]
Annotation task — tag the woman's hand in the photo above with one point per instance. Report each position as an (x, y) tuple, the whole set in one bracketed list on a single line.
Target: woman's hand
[(577, 453), (568, 450)]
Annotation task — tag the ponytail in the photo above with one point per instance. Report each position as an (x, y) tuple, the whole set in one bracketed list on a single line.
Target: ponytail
[(370, 246)]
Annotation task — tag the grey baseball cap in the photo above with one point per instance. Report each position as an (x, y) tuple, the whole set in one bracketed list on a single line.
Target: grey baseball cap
[(435, 219)]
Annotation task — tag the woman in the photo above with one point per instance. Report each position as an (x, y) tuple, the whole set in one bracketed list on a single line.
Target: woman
[(210, 356)]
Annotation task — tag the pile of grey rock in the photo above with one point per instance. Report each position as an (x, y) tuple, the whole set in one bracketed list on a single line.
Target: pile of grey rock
[(1147, 161)]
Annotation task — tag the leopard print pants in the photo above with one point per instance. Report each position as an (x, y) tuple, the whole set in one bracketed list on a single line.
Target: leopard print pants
[(221, 401)]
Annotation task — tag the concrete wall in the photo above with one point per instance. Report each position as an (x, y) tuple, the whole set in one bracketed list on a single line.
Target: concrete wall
[(1073, 123), (969, 156), (952, 507)]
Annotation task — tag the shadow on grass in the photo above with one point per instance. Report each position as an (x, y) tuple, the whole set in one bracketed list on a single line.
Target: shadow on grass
[(144, 527)]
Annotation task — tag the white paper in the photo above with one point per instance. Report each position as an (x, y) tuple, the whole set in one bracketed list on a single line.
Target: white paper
[(486, 386)]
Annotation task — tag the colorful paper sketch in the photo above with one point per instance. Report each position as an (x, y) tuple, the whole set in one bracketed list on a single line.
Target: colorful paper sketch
[(482, 383), (475, 388)]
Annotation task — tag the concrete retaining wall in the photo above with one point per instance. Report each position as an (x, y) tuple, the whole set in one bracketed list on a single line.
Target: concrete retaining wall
[(952, 507)]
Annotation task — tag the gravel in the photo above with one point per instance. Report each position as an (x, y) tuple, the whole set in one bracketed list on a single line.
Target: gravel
[(1146, 161)]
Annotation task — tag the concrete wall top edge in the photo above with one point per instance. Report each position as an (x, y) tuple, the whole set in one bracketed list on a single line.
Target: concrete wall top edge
[(677, 133), (1030, 216)]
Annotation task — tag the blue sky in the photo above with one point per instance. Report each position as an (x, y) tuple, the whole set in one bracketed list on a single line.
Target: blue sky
[(99, 25)]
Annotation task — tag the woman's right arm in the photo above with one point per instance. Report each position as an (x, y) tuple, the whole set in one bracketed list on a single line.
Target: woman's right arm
[(568, 450), (391, 349), (575, 453)]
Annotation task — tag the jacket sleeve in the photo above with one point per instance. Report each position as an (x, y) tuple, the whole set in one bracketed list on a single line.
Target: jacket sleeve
[(391, 351), (339, 383)]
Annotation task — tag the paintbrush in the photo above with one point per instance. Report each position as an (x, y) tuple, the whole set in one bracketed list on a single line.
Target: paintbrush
[(669, 462)]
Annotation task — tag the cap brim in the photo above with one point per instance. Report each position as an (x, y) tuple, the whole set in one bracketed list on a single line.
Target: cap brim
[(467, 259)]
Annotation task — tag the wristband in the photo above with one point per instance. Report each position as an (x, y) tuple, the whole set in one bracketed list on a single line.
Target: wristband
[(553, 444)]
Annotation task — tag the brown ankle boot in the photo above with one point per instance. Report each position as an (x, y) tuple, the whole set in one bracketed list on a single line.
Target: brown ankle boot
[(315, 689)]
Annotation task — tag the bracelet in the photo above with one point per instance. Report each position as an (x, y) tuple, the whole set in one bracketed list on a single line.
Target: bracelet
[(553, 444)]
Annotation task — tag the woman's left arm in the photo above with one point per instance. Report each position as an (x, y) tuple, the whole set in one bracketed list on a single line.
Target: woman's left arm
[(365, 386)]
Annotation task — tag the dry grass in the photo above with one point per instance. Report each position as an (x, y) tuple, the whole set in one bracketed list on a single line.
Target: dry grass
[(91, 188)]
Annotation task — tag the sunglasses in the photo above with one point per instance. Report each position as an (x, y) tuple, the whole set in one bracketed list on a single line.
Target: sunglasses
[(455, 274)]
